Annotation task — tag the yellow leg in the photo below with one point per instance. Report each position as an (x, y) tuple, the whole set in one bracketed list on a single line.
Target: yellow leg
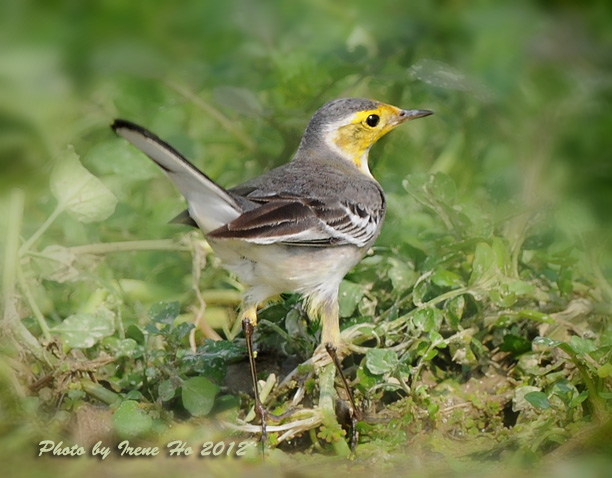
[(330, 333), (250, 314)]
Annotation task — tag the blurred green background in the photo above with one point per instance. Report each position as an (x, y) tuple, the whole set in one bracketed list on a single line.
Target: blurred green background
[(522, 93)]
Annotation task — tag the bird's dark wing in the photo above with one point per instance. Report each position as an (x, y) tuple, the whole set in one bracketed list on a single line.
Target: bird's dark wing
[(303, 221)]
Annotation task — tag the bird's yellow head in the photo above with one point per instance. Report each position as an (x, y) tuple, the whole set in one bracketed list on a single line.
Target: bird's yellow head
[(350, 127)]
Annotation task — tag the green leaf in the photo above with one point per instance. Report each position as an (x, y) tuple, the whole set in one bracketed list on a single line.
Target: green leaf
[(420, 349), (134, 395), (365, 379), (82, 331), (166, 390), (129, 420), (112, 157), (420, 291), (381, 361), (437, 340), (565, 391), (179, 332), (443, 188), (349, 296), (294, 322), (605, 370), (563, 387), (80, 192), (578, 399), (520, 287), (135, 332), (415, 184), (428, 319), (546, 342), (502, 297), (229, 352), (198, 394), (515, 344), (430, 354), (432, 409), (538, 400), (401, 274), (211, 366), (470, 220), (164, 312), (445, 278), (484, 266), (121, 347), (454, 309), (582, 346)]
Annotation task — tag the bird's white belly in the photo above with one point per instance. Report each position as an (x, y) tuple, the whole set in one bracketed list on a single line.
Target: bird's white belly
[(268, 270)]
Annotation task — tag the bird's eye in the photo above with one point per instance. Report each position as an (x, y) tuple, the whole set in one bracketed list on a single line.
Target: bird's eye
[(372, 120)]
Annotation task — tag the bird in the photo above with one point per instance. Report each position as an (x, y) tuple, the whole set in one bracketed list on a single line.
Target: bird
[(300, 227)]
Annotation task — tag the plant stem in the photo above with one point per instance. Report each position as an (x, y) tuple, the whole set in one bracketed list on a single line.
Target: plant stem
[(40, 318), (599, 405), (11, 318), (99, 392), (11, 248), (41, 230), (326, 404)]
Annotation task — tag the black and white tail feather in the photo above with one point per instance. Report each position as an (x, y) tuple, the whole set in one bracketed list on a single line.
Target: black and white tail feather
[(210, 205)]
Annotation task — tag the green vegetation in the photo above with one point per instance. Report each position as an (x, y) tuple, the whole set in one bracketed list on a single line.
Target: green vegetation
[(479, 326)]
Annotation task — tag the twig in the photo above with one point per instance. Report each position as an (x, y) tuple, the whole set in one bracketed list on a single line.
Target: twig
[(129, 246), (197, 263)]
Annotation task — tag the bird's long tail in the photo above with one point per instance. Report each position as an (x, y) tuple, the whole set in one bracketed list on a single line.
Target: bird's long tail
[(210, 205)]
